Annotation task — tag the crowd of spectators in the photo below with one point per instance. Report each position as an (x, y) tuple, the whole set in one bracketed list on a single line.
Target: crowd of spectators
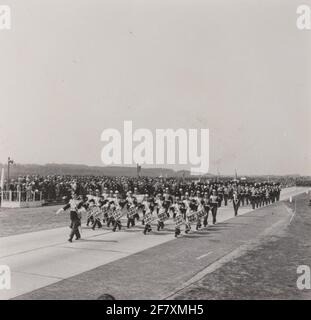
[(55, 188)]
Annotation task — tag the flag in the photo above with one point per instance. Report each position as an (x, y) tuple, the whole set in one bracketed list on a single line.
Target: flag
[(2, 179)]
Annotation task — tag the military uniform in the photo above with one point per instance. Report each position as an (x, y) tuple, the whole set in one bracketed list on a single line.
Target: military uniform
[(214, 202), (74, 205), (131, 204), (236, 203)]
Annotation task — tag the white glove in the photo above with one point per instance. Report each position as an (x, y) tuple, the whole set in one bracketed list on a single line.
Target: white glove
[(59, 211), (82, 210)]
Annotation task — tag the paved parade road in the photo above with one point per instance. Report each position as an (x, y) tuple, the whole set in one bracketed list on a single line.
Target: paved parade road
[(40, 259)]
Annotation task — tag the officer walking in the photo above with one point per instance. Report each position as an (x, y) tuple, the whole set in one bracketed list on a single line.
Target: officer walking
[(236, 202), (214, 200), (74, 204)]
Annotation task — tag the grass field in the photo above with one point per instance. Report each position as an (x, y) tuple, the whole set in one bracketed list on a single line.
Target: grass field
[(17, 221)]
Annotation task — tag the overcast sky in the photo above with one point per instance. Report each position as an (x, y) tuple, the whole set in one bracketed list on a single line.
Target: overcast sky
[(69, 69)]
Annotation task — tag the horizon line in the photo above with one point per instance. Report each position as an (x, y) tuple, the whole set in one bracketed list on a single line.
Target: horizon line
[(155, 168)]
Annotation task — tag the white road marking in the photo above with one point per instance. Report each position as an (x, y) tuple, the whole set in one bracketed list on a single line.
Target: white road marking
[(236, 253), (293, 215), (204, 255)]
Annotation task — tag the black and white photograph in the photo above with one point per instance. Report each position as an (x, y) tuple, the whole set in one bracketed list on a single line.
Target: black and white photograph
[(155, 150)]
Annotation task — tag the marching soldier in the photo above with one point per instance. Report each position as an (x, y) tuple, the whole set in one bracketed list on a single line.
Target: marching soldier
[(175, 206), (186, 205), (148, 216), (131, 204), (74, 205), (117, 208), (105, 210), (167, 201), (226, 195), (247, 194), (206, 208), (162, 215), (253, 197), (242, 194), (190, 218), (197, 206), (200, 215), (214, 204), (183, 209), (110, 210), (178, 222), (220, 194), (145, 206), (90, 217), (236, 202), (95, 213)]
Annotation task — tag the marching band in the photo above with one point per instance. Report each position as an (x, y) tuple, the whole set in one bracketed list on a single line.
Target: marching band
[(184, 208)]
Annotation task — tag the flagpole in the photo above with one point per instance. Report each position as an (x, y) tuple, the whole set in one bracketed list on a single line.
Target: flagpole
[(2, 179), (10, 161)]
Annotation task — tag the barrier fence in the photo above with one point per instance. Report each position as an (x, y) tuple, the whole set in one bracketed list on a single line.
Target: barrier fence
[(21, 196)]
